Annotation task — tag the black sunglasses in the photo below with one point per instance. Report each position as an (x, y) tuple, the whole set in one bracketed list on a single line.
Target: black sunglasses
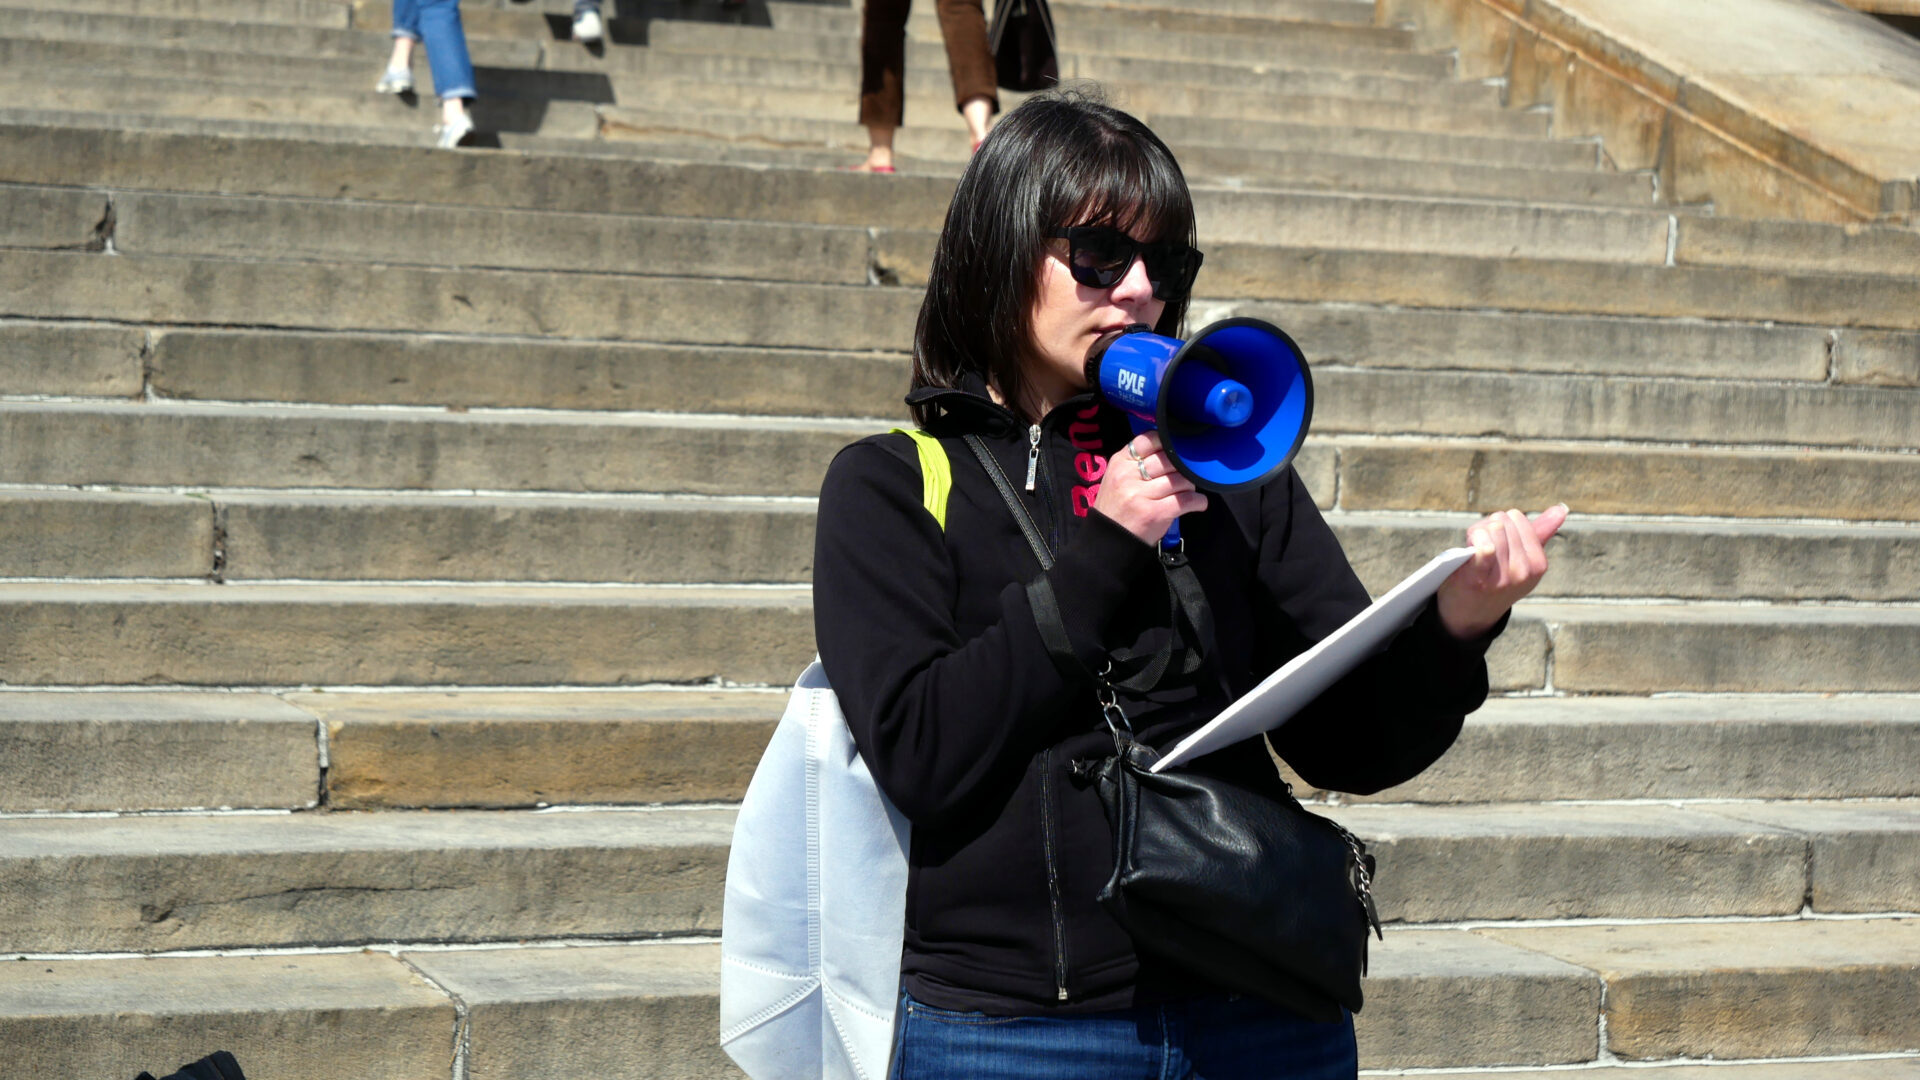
[(1098, 256)]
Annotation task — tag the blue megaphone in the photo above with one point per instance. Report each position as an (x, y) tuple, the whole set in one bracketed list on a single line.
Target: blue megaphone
[(1232, 403)]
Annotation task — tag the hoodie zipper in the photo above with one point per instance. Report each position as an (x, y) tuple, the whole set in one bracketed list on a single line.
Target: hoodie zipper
[(1053, 875), (1033, 454)]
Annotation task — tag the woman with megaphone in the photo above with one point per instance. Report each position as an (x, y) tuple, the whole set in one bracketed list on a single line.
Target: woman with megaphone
[(995, 634)]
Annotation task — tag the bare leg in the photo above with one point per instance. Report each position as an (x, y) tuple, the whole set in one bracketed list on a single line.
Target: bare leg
[(879, 148), (402, 58), (453, 111), (976, 111)]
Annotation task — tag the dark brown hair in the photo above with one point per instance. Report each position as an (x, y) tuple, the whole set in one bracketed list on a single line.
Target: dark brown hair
[(1064, 157)]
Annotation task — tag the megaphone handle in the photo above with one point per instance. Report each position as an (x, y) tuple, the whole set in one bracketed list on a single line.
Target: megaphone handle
[(1171, 541)]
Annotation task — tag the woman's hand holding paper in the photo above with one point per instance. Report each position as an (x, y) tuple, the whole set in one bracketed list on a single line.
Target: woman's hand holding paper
[(1508, 561)]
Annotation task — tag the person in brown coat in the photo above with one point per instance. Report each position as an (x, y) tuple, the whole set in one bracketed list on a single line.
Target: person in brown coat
[(883, 64)]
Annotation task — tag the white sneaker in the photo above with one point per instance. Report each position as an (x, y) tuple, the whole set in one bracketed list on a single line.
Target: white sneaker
[(587, 28), (395, 81), (448, 136)]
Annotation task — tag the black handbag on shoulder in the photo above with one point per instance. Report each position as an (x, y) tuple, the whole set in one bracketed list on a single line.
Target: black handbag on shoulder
[(1024, 50), (1257, 894), (1250, 892)]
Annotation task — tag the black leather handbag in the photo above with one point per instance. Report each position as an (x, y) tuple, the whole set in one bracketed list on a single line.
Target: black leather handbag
[(1255, 893), (218, 1065), (1252, 893), (1023, 46)]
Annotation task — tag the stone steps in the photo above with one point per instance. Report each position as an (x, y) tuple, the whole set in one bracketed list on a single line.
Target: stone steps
[(1508, 996), (640, 539), (481, 431), (268, 635), (613, 184), (248, 37), (350, 296), (1329, 46), (149, 751), (103, 360), (147, 223), (370, 635), (201, 881), (330, 447), (133, 751), (79, 62), (1274, 23)]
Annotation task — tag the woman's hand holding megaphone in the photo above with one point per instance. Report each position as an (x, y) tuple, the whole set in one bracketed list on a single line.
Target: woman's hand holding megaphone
[(1508, 561), (1143, 492)]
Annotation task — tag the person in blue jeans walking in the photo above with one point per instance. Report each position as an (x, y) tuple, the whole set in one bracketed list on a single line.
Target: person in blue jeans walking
[(437, 23), (970, 691)]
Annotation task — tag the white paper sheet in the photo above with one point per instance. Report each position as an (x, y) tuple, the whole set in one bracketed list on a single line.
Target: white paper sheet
[(1286, 691)]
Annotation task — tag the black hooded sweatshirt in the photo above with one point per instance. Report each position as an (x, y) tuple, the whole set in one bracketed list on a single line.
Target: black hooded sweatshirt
[(970, 726)]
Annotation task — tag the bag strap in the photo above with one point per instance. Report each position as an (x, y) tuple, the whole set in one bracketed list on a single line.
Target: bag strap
[(936, 473), (1185, 598), (1027, 528)]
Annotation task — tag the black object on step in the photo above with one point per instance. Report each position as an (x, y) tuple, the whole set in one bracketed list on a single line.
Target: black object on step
[(218, 1065)]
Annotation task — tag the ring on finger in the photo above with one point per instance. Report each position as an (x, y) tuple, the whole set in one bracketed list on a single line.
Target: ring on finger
[(1132, 453), (1141, 463)]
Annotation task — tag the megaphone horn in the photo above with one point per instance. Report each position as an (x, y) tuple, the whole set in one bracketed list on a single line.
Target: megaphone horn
[(1232, 403)]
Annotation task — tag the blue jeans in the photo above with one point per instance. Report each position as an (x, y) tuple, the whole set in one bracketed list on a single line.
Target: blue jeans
[(1215, 1038), (437, 24)]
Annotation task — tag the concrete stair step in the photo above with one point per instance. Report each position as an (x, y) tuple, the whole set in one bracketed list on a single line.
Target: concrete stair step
[(196, 881), (158, 751), (1355, 173), (1275, 23), (67, 752), (609, 184), (77, 62), (269, 635), (1396, 474), (1528, 861), (1903, 1067), (332, 14), (1431, 280), (329, 230), (175, 882), (1637, 558), (161, 123), (1322, 45), (349, 296), (317, 447), (637, 540), (1734, 990), (356, 111), (949, 144), (248, 37), (1506, 341), (1475, 404), (1713, 648), (374, 369), (507, 749), (443, 635), (269, 536), (1323, 10), (295, 1017), (435, 449), (331, 447), (1735, 746), (655, 1006), (930, 91)]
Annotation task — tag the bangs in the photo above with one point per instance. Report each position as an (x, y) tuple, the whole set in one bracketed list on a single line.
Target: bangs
[(1128, 184)]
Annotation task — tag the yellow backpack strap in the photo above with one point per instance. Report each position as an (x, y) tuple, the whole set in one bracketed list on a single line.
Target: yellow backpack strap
[(936, 474)]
